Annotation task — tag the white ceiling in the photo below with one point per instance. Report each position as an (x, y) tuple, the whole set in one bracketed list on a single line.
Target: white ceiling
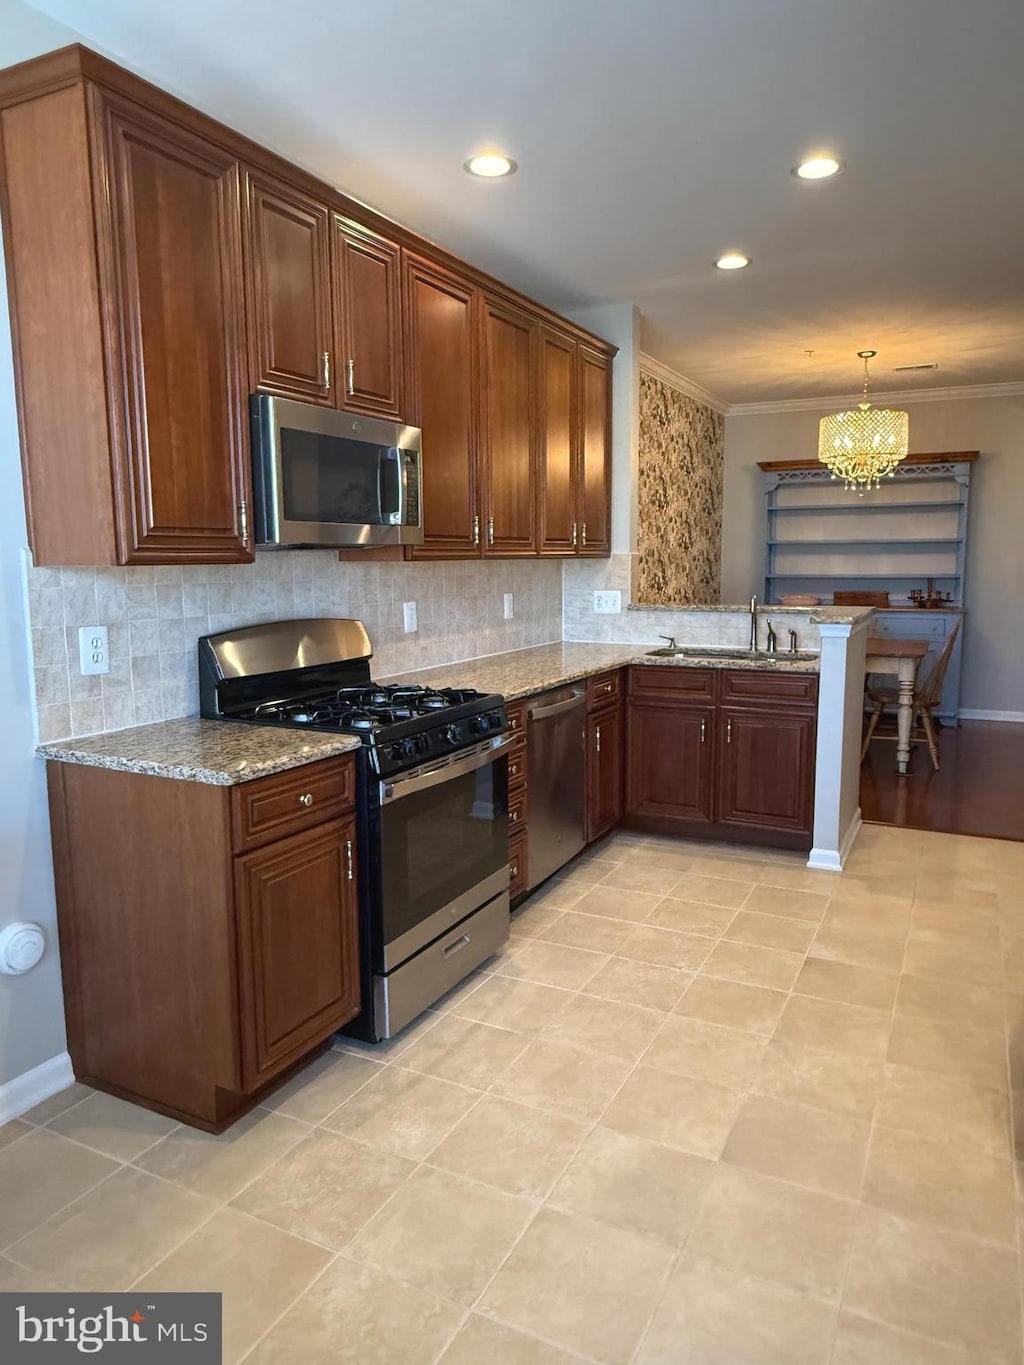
[(652, 134)]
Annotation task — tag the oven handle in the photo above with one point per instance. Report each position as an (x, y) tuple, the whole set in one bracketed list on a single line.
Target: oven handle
[(570, 704), (445, 769)]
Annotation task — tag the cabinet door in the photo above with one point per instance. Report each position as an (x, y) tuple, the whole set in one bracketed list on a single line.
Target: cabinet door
[(766, 769), (670, 767), (297, 912), (605, 768), (558, 481), (368, 320), (289, 298), (442, 390), (509, 430), (171, 255), (595, 452)]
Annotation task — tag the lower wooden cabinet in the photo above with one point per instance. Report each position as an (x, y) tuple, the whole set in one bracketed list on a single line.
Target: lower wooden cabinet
[(671, 763), (766, 770), (605, 770)]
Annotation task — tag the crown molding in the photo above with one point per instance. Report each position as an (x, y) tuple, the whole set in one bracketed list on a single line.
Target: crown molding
[(844, 400), (673, 380)]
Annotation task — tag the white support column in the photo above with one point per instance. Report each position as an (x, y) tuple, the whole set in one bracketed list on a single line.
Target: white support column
[(837, 760)]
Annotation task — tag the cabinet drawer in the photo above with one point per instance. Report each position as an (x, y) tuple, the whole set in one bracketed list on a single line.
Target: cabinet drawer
[(923, 625), (285, 803), (648, 680), (517, 718), (516, 810), (604, 688), (518, 865), (517, 768), (797, 689)]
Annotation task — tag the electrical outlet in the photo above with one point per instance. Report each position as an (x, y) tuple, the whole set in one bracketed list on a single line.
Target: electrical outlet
[(608, 603), (509, 607), (409, 617), (93, 650)]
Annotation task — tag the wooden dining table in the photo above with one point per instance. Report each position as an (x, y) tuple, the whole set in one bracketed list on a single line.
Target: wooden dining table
[(899, 659)]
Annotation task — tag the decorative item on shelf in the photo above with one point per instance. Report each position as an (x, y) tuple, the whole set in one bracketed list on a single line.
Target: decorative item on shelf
[(863, 445), (799, 599), (930, 596)]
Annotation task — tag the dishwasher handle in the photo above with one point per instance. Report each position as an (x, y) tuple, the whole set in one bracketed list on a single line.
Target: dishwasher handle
[(578, 699)]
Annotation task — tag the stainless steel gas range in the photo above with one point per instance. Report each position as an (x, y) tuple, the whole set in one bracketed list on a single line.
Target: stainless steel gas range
[(432, 800)]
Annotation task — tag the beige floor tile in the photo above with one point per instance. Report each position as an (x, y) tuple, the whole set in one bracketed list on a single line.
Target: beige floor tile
[(666, 948), (612, 902), (728, 894), (15, 1279), (394, 1047), (357, 1315), (511, 1146), (889, 893), (950, 1049), (690, 917), (112, 1234), (941, 1182), (550, 964), (862, 1342), (823, 1151), (112, 1126), (219, 1165), (462, 1050), (692, 1116), (443, 1234), (639, 1186), (953, 962), (710, 1316), (581, 1286), (668, 859), (522, 1006), (839, 1083), (706, 1052), (583, 872), (955, 927), (403, 1113), (325, 1189), (943, 1106), (941, 1284), (788, 903), (588, 931), (483, 1340), (787, 878), (639, 875), (12, 1131), (752, 966), (639, 983), (556, 895), (753, 1009), (849, 939), (754, 1225), (606, 1026), (565, 1080), (770, 931), (39, 1175), (840, 1028), (57, 1104), (258, 1269), (535, 917), (847, 983), (318, 1089), (728, 865)]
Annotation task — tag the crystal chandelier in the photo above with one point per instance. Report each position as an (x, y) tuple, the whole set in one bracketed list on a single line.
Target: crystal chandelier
[(865, 444)]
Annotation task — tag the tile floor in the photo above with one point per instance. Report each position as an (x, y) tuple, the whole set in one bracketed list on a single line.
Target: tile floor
[(708, 1108)]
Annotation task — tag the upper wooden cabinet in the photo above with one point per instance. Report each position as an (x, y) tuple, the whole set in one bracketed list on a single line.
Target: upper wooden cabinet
[(288, 291), (508, 429), (595, 452), (368, 320)]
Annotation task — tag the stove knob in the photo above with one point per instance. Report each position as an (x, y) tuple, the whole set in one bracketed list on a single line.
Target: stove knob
[(479, 725), (453, 734), (406, 748), (422, 743)]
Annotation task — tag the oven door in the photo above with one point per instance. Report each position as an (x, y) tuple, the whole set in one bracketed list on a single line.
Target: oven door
[(444, 845)]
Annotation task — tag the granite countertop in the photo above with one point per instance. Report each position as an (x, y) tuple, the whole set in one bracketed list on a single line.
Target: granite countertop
[(822, 615), (193, 750)]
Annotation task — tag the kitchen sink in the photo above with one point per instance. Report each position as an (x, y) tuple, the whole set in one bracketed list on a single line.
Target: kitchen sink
[(728, 652)]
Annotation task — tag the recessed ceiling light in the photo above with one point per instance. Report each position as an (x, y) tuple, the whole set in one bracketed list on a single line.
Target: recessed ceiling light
[(490, 165), (732, 260), (818, 168)]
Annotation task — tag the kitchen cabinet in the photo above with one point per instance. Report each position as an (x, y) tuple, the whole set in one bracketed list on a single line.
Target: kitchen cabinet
[(214, 944), (558, 456), (595, 452), (766, 766), (508, 429), (288, 290), (671, 761), (368, 320), (605, 740)]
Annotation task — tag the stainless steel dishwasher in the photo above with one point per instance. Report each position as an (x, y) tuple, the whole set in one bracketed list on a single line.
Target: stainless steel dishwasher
[(558, 785)]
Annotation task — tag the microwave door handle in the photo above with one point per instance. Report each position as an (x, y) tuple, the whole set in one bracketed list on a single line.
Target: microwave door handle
[(391, 475)]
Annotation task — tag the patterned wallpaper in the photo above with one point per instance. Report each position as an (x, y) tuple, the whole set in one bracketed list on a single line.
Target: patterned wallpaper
[(679, 496)]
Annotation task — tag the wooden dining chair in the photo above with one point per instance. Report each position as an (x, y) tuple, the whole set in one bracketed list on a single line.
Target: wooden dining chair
[(927, 695)]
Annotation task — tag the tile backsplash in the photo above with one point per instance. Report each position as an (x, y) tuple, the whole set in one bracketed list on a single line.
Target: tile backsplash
[(155, 615)]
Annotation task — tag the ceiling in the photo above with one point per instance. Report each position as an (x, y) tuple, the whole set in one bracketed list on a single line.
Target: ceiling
[(651, 135)]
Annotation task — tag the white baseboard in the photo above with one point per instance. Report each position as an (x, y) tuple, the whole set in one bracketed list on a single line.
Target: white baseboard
[(1017, 716), (32, 1087), (831, 859)]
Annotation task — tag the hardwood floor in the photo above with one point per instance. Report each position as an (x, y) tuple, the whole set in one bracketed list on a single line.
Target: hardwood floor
[(979, 789)]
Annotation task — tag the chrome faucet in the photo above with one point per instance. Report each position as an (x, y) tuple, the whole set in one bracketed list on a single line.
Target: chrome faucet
[(772, 639), (792, 642), (753, 624)]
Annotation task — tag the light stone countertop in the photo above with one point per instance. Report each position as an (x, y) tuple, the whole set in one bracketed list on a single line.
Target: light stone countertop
[(221, 753), (818, 616)]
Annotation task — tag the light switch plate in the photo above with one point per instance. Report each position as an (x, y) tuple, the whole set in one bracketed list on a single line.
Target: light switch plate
[(509, 607), (93, 650), (608, 603), (409, 617)]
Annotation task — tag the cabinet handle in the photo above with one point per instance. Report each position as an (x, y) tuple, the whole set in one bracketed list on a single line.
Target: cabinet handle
[(703, 731), (306, 799), (597, 737), (325, 369), (605, 687), (243, 522), (490, 530), (513, 817), (574, 535), (349, 872), (457, 946), (476, 530), (728, 731), (583, 534), (513, 723), (513, 770), (513, 872), (350, 376)]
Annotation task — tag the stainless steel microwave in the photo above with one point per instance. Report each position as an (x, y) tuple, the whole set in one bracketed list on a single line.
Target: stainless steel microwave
[(323, 477)]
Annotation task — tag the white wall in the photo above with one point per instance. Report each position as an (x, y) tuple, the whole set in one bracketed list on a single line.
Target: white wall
[(993, 675), (31, 1010)]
